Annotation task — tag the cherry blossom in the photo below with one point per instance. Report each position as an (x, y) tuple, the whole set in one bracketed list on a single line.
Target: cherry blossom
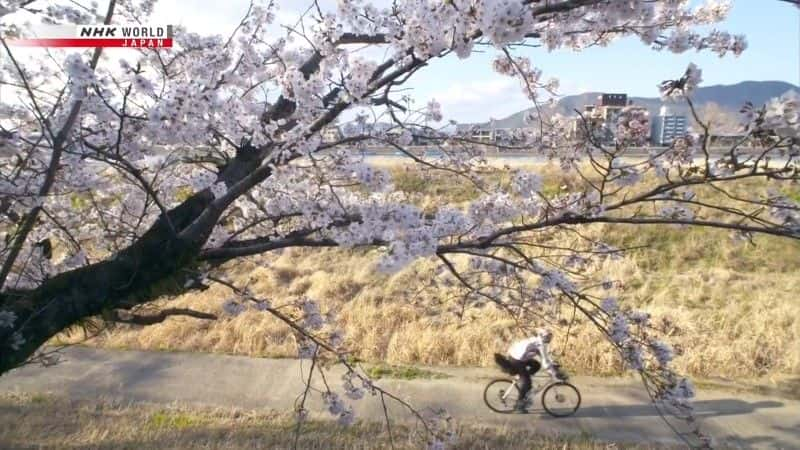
[(152, 167)]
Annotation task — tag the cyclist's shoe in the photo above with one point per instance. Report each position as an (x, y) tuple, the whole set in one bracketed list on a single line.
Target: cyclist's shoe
[(521, 407)]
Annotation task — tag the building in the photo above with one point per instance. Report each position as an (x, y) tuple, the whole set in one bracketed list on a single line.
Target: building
[(638, 125), (600, 118), (331, 134), (610, 105), (730, 139), (619, 100), (486, 133), (668, 126), (589, 119), (363, 128)]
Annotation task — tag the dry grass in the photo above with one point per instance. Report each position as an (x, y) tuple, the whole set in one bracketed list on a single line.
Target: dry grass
[(732, 304), (47, 422)]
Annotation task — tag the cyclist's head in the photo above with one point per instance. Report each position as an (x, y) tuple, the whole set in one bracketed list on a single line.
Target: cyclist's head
[(545, 335)]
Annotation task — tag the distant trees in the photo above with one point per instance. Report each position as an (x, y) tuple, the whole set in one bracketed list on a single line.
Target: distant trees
[(719, 119)]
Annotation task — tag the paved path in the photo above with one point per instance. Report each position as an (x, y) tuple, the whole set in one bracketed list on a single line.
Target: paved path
[(612, 409)]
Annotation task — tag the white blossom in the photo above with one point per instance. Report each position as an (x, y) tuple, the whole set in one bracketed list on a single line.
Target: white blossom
[(609, 305), (16, 341), (252, 109), (306, 349), (233, 308), (662, 352), (7, 319), (433, 111), (219, 189), (619, 330)]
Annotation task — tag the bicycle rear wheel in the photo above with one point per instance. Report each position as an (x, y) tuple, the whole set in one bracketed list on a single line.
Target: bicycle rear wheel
[(561, 399), (501, 395)]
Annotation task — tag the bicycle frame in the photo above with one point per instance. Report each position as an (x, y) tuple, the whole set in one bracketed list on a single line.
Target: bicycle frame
[(565, 394), (546, 379)]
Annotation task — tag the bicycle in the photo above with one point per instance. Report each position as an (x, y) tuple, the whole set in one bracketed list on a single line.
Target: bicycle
[(559, 397)]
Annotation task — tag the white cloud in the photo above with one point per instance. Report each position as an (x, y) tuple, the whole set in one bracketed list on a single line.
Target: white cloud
[(481, 100)]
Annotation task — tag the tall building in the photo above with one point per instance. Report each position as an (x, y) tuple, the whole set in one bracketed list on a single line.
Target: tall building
[(601, 118), (610, 105), (667, 127), (590, 118)]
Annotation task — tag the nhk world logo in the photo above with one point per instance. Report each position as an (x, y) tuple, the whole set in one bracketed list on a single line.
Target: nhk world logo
[(119, 36)]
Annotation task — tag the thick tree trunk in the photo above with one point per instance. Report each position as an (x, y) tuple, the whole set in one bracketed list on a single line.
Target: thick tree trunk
[(138, 274), (149, 268)]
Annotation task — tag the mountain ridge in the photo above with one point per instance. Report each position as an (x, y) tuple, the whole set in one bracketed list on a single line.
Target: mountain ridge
[(729, 97)]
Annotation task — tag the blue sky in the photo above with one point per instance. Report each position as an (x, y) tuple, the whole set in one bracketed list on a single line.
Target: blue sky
[(470, 91)]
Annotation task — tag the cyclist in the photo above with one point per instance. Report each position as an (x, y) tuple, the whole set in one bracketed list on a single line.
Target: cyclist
[(522, 361)]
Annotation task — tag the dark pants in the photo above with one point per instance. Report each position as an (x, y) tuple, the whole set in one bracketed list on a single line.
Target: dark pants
[(524, 369)]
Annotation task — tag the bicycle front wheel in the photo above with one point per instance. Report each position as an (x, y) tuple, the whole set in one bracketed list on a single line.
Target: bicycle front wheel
[(501, 395), (561, 399)]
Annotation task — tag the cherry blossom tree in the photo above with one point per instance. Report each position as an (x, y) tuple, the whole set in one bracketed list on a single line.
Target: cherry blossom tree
[(718, 119), (128, 180)]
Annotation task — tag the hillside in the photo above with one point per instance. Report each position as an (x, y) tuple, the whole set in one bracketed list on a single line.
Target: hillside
[(728, 97), (695, 282)]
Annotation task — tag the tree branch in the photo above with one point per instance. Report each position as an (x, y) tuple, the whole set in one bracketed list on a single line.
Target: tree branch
[(121, 316)]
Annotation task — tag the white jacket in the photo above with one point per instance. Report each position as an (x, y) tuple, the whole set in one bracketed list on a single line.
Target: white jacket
[(528, 349)]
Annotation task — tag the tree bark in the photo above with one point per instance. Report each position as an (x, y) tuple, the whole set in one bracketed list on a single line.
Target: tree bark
[(138, 274)]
